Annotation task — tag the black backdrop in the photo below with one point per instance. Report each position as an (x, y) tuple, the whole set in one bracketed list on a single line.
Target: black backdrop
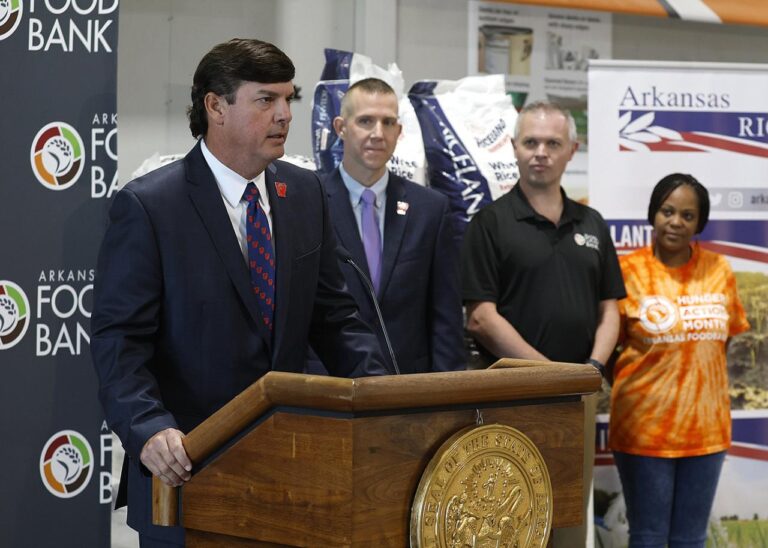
[(58, 149)]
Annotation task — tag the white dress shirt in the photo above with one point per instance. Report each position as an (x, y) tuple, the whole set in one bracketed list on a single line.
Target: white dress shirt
[(232, 186)]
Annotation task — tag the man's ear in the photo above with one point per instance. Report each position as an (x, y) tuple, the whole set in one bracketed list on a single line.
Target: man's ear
[(575, 145), (215, 107), (338, 126)]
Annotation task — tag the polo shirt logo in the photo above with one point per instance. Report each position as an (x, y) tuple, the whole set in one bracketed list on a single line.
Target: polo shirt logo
[(588, 240)]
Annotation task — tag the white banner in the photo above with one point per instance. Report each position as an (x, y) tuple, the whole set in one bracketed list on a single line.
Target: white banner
[(650, 119)]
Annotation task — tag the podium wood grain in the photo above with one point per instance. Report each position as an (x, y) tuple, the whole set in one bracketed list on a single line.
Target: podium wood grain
[(344, 472)]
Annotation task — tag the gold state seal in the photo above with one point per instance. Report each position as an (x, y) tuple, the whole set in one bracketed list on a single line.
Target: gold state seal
[(487, 487)]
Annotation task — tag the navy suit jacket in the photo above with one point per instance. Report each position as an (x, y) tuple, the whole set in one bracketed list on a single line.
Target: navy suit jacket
[(176, 330), (419, 292)]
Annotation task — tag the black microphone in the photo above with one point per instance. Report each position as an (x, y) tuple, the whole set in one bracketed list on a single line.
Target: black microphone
[(372, 293)]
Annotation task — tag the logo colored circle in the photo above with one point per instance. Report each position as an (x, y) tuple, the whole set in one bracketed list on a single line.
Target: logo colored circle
[(10, 16), (57, 156), (579, 239), (14, 314), (66, 464), (657, 314)]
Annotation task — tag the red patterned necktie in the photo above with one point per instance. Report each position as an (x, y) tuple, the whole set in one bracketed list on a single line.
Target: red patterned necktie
[(261, 258)]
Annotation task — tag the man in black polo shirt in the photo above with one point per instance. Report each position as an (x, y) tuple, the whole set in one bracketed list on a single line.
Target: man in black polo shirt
[(540, 275)]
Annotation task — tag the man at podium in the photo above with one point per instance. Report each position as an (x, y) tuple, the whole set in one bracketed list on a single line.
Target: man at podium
[(214, 270)]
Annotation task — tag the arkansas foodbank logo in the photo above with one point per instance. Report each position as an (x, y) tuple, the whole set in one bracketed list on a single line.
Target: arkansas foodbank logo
[(657, 314), (66, 464), (57, 155), (10, 17), (14, 314)]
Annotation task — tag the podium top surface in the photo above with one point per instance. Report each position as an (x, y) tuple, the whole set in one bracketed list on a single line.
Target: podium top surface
[(507, 380)]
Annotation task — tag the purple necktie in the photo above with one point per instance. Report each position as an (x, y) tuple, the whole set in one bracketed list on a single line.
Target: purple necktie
[(261, 259), (371, 235)]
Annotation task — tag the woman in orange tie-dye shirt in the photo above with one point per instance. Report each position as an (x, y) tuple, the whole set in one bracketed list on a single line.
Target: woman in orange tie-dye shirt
[(670, 411)]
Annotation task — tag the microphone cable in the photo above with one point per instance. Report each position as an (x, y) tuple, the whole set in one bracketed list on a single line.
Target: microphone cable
[(372, 293)]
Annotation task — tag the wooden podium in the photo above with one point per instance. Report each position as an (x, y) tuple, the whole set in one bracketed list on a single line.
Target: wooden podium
[(303, 460)]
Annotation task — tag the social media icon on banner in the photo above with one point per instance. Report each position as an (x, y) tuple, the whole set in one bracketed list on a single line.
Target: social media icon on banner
[(715, 199), (735, 200)]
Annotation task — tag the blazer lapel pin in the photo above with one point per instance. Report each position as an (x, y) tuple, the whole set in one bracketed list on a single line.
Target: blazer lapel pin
[(281, 189), (402, 208)]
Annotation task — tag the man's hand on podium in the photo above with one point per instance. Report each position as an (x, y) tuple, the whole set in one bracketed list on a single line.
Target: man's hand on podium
[(165, 457)]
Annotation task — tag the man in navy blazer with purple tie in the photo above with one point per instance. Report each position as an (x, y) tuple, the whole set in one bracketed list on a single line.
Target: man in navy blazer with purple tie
[(181, 321), (399, 233)]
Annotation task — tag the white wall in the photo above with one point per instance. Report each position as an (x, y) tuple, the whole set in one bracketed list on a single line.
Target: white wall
[(161, 42), (432, 39)]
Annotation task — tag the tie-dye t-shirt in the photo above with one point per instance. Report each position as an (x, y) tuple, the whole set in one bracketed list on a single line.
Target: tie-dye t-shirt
[(670, 391)]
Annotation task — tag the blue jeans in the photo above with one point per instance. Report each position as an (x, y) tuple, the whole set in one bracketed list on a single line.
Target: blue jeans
[(668, 500)]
